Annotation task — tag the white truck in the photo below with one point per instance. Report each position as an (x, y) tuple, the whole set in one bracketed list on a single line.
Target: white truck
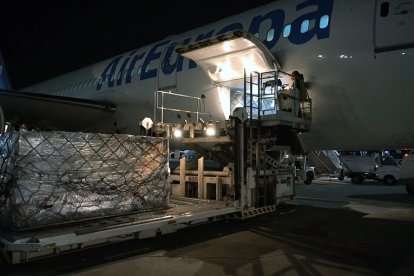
[(371, 166), (303, 171)]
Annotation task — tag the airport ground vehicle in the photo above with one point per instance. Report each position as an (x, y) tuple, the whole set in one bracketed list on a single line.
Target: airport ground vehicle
[(363, 166), (304, 172), (307, 174), (252, 183)]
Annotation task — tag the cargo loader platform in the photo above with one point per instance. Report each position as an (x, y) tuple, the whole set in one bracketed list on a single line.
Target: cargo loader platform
[(23, 246)]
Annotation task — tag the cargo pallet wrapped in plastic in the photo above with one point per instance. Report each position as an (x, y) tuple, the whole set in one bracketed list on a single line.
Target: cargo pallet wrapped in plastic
[(49, 178)]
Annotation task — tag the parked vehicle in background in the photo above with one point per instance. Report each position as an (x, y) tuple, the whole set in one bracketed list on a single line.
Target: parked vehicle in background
[(303, 171), (370, 165)]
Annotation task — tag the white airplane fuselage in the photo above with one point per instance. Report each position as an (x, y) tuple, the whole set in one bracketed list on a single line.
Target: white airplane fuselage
[(356, 61)]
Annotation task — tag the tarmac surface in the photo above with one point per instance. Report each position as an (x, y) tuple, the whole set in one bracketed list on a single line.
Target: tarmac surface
[(331, 228)]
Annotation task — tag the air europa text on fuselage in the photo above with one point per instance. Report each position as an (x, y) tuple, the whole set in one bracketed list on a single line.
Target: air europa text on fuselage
[(121, 69)]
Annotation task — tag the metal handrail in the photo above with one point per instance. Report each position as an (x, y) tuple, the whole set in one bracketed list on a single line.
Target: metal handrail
[(160, 104)]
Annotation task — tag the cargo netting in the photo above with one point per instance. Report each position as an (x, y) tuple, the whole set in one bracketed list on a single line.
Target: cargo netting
[(58, 177)]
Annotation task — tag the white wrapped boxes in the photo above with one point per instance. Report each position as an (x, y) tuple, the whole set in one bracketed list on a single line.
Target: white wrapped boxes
[(58, 177)]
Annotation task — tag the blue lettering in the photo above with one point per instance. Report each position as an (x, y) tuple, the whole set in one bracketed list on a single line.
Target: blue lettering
[(151, 56), (167, 67), (108, 74), (324, 8), (121, 71), (132, 66), (277, 18)]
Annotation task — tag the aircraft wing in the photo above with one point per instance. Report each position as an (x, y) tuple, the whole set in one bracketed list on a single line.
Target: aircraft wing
[(49, 112)]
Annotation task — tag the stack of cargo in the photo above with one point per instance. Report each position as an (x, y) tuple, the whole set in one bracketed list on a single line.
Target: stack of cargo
[(58, 177)]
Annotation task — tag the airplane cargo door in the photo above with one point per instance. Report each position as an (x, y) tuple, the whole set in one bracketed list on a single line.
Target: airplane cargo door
[(226, 56), (225, 59), (394, 25)]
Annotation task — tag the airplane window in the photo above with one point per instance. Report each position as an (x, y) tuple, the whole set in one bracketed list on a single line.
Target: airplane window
[(95, 82), (270, 35), (286, 30), (324, 21), (304, 27)]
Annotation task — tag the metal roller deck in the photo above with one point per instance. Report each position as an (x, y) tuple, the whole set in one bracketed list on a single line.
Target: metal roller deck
[(23, 246)]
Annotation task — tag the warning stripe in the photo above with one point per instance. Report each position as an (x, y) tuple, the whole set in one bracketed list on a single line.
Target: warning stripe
[(252, 212)]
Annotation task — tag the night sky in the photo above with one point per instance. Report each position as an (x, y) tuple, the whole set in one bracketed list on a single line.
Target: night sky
[(40, 39)]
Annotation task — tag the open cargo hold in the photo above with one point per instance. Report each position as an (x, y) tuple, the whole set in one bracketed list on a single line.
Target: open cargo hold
[(59, 177)]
